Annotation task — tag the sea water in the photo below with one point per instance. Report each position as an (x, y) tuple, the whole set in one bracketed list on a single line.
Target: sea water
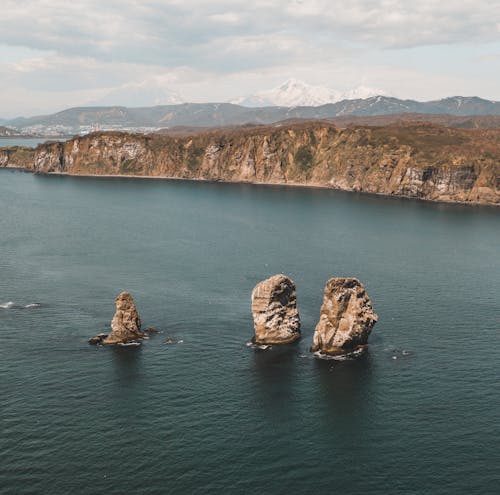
[(194, 409)]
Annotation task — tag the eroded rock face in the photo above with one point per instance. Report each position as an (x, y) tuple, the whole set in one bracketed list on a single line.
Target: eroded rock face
[(346, 317), (126, 324), (274, 308), (417, 160)]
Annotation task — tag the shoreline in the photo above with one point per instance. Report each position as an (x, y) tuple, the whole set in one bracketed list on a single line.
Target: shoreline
[(271, 184)]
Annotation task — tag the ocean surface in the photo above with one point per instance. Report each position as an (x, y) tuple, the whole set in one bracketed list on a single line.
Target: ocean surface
[(418, 414)]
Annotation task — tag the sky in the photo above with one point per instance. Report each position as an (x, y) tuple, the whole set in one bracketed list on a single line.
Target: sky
[(56, 54)]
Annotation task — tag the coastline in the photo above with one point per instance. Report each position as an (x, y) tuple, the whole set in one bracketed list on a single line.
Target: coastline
[(414, 161), (268, 184)]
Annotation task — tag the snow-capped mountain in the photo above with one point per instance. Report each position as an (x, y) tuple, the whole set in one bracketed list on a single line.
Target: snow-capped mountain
[(142, 94), (295, 93)]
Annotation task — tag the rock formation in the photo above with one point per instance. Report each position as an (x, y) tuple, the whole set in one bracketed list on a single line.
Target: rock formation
[(98, 339), (126, 324), (415, 160), (346, 317), (274, 308)]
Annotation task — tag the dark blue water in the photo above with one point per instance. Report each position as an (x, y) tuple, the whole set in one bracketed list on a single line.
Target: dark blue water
[(209, 414)]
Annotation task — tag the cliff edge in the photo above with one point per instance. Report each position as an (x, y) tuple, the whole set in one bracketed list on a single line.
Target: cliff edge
[(417, 160)]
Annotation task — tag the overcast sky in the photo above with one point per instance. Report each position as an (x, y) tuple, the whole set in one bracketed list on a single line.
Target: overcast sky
[(60, 53)]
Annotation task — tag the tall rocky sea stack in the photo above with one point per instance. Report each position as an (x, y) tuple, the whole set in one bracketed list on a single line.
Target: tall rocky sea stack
[(275, 314), (346, 317), (126, 323)]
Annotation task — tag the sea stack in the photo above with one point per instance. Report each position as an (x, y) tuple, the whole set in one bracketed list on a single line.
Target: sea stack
[(346, 318), (274, 308), (126, 324)]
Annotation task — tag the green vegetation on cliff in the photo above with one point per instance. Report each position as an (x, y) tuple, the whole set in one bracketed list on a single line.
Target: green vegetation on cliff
[(304, 158)]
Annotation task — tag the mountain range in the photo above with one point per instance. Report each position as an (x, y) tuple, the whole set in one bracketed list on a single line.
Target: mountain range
[(142, 95), (294, 93), (224, 114)]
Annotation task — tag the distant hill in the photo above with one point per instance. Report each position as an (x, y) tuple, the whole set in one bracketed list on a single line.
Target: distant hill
[(226, 114), (7, 132), (460, 122), (465, 122)]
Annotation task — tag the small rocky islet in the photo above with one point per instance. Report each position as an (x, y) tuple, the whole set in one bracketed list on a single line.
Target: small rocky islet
[(125, 325), (346, 318), (345, 323), (274, 309)]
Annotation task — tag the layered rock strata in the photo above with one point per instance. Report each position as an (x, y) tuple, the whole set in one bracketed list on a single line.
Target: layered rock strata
[(346, 317), (275, 314)]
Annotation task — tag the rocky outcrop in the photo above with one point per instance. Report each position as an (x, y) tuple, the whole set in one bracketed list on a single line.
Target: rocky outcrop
[(274, 308), (17, 157), (98, 339), (417, 160), (346, 317), (126, 323)]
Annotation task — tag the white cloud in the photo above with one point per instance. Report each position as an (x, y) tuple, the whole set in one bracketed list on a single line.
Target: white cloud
[(226, 18), (84, 49), (402, 23), (144, 30)]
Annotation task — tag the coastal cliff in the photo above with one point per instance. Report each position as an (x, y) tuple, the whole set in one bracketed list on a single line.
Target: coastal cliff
[(417, 160)]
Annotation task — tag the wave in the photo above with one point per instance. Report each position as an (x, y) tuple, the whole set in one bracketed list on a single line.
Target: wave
[(398, 353), (328, 357), (13, 305), (340, 357), (263, 347)]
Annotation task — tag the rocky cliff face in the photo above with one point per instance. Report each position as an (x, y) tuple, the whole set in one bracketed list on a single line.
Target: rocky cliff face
[(414, 160), (346, 317), (17, 157), (274, 308)]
